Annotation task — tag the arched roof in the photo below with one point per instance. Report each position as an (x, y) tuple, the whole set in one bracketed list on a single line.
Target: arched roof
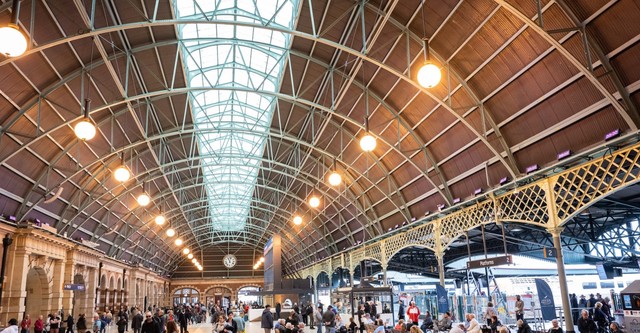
[(230, 115)]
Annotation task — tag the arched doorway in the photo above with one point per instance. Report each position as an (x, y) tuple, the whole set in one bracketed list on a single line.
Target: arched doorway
[(110, 292), (245, 297), (186, 296), (218, 295), (79, 304), (37, 299)]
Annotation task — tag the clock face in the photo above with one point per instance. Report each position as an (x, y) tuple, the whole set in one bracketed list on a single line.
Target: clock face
[(229, 260)]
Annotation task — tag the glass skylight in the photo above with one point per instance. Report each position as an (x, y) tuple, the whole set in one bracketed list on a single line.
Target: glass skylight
[(233, 117)]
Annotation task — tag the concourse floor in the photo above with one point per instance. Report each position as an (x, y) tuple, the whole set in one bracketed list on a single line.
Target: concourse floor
[(250, 327)]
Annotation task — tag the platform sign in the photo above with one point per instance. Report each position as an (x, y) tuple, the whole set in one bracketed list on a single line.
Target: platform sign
[(550, 252), (74, 287), (490, 262)]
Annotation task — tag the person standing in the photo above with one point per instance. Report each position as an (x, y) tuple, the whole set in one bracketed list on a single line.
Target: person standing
[(266, 321), (328, 319), (38, 326), (278, 310), (575, 312), (489, 312), (317, 318), (413, 312), (400, 309), (55, 323), (308, 313), (519, 308), (25, 324)]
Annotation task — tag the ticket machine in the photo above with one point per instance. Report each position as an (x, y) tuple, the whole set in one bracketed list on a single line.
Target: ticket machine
[(631, 306)]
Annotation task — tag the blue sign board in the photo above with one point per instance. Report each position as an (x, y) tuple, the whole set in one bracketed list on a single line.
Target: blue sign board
[(443, 300), (74, 287), (547, 306)]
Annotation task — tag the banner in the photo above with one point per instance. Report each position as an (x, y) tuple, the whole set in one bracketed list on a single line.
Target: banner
[(547, 306), (443, 299)]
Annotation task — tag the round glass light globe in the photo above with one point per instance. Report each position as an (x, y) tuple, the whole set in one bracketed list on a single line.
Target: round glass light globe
[(171, 232), (13, 43), (194, 260), (122, 174), (314, 202), (199, 268), (186, 251), (429, 75), (297, 220), (178, 241), (368, 143), (335, 179), (190, 256), (143, 199), (85, 130), (261, 259), (160, 219)]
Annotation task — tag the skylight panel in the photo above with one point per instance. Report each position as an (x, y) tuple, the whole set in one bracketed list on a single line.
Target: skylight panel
[(232, 120)]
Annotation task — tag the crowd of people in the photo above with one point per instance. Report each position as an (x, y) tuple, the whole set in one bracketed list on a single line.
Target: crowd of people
[(594, 317), (135, 320)]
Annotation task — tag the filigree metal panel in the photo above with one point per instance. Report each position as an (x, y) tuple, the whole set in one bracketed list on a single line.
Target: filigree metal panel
[(456, 224), (374, 251), (579, 187), (527, 205), (570, 191)]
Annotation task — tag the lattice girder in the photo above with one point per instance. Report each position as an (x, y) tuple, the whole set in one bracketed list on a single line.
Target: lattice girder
[(548, 203)]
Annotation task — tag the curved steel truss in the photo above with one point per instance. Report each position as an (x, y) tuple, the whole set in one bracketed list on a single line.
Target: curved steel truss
[(548, 203), (230, 114)]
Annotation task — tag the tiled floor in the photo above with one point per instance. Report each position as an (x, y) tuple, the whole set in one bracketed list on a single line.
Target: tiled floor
[(251, 327)]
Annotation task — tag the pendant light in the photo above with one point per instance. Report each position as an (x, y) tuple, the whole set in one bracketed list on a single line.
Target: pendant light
[(160, 219), (185, 251), (297, 220), (85, 129), (335, 178), (171, 232), (178, 241), (122, 173), (13, 43), (190, 256), (143, 199), (367, 142), (429, 74), (314, 201)]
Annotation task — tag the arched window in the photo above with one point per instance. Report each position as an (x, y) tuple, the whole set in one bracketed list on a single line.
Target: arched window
[(186, 295)]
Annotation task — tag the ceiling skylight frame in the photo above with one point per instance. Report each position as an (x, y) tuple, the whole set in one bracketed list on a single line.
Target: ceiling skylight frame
[(234, 56)]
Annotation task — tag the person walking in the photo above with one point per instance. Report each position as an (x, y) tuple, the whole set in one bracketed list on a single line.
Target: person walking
[(81, 325), (136, 322), (585, 323), (266, 322), (149, 325), (278, 310), (70, 323), (12, 328), (400, 309), (489, 312)]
